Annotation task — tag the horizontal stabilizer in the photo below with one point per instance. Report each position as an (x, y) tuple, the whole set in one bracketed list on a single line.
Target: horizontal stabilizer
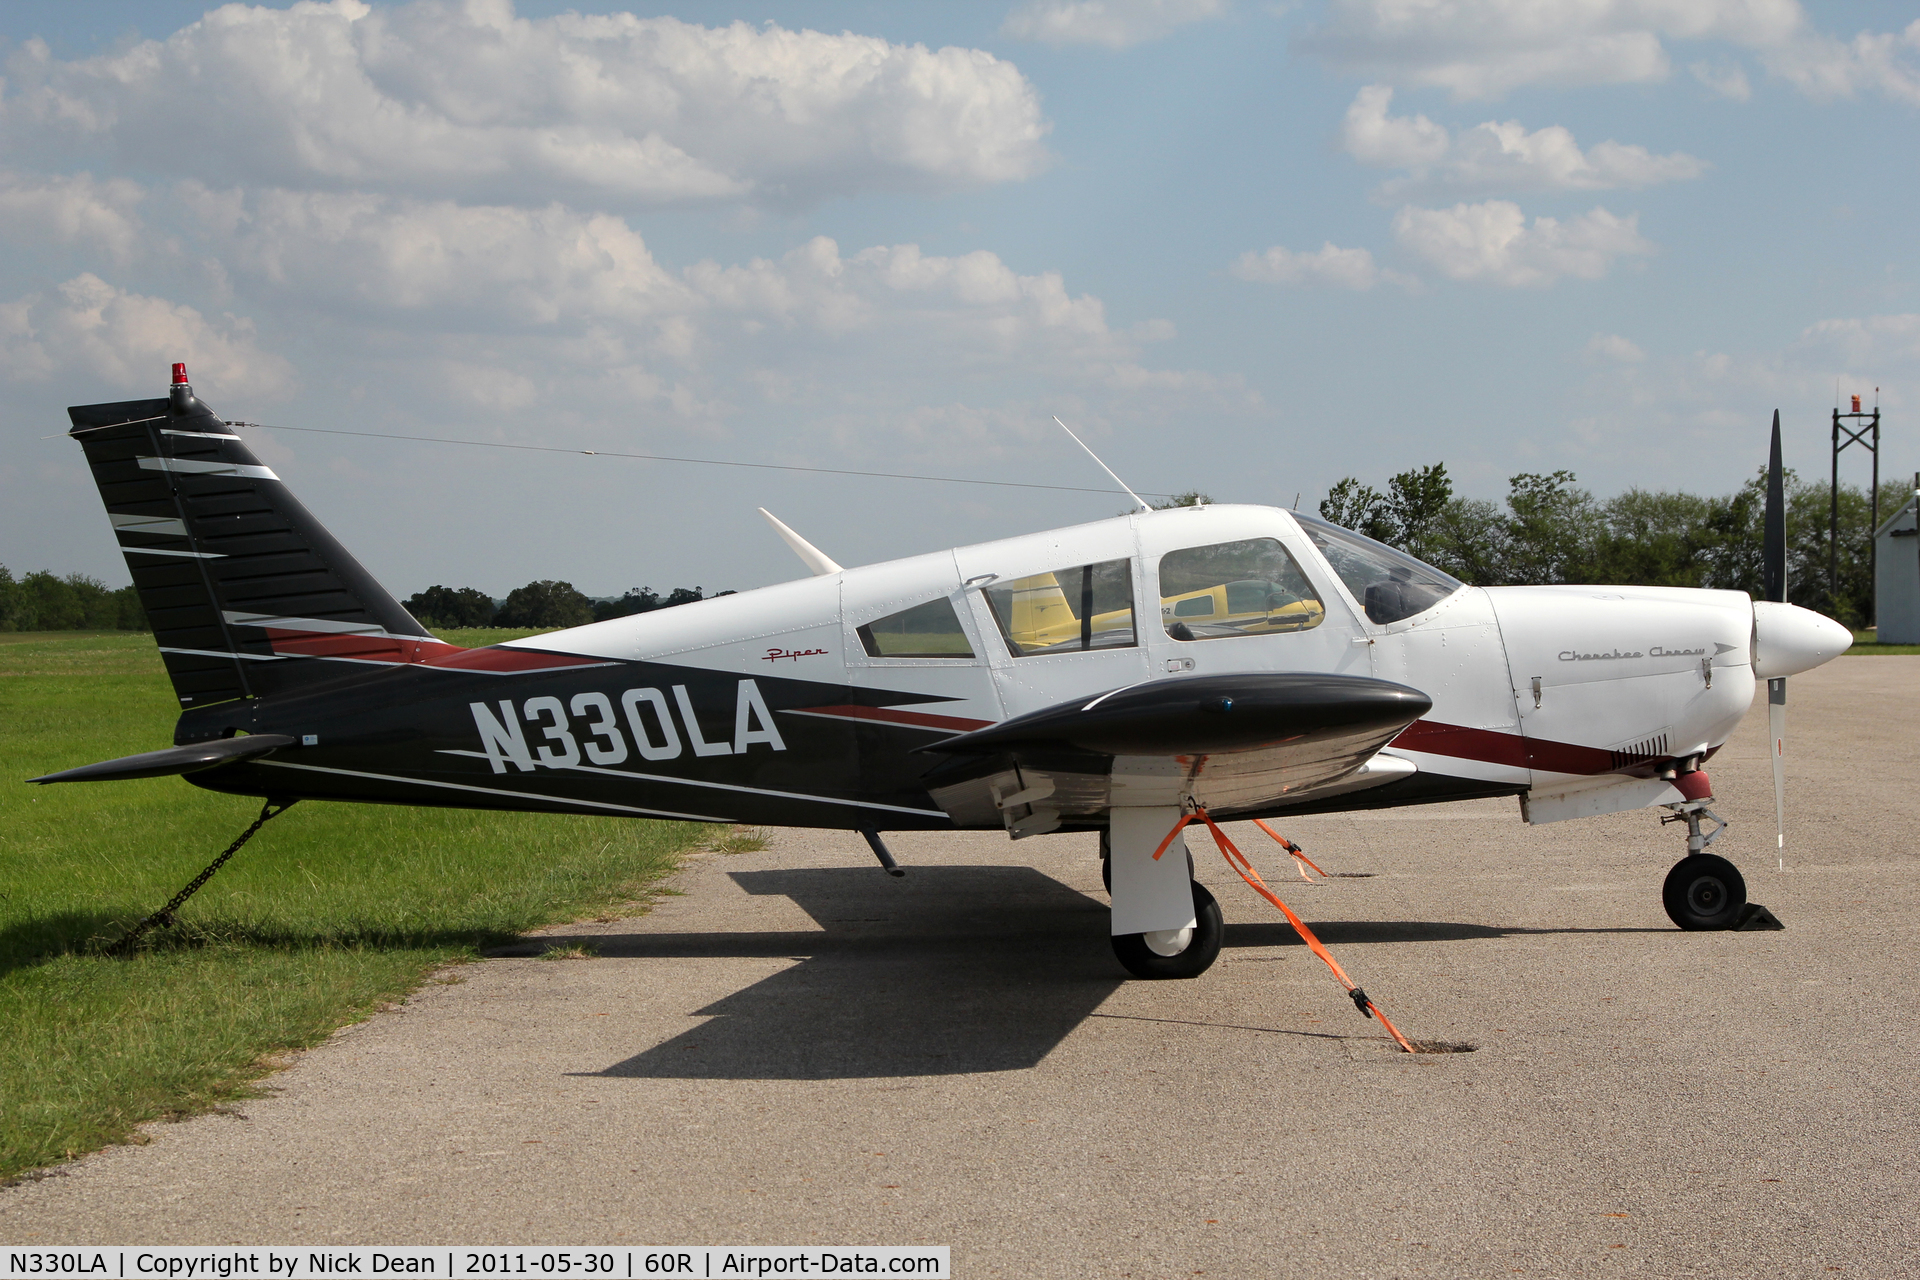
[(174, 760), (1203, 715)]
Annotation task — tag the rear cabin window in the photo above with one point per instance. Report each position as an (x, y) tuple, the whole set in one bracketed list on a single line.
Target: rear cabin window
[(1089, 606), (1249, 588), (930, 630)]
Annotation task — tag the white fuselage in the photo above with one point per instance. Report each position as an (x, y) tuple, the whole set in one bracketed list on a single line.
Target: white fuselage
[(1567, 691)]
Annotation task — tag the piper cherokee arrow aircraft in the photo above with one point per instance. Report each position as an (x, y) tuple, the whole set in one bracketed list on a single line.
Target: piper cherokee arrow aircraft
[(1121, 676)]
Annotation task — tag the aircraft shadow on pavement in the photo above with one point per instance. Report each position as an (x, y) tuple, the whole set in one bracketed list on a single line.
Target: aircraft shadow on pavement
[(1336, 933), (949, 970)]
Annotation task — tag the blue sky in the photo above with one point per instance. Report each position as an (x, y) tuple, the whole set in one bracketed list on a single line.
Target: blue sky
[(1249, 248)]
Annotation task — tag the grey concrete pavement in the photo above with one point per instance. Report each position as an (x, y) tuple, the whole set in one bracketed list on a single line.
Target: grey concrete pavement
[(802, 1049)]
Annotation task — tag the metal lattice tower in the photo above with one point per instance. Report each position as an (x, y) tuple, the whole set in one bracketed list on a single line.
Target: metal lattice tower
[(1865, 432)]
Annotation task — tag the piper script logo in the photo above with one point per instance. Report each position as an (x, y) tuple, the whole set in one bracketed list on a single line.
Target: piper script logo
[(648, 717)]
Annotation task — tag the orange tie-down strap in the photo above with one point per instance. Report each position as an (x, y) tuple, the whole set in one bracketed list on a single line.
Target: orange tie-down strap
[(1299, 855), (1238, 861)]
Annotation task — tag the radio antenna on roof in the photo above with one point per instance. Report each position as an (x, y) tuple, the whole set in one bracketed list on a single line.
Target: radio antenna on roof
[(1103, 466)]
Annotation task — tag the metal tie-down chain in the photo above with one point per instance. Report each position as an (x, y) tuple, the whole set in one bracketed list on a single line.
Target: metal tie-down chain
[(164, 916)]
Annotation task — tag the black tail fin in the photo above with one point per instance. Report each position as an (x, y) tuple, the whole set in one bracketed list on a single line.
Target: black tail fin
[(238, 579)]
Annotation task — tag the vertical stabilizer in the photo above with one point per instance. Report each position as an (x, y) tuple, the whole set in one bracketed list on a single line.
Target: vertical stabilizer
[(239, 580)]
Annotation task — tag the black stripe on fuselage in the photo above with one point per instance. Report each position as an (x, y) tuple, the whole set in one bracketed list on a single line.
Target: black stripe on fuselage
[(722, 745)]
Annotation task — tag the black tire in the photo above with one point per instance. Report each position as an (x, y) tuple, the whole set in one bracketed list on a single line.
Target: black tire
[(1704, 892), (1203, 948)]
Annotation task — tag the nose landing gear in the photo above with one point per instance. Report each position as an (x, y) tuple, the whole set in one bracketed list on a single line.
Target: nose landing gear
[(1703, 891)]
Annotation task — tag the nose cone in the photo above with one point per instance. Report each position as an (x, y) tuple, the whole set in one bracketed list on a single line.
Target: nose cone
[(1788, 639)]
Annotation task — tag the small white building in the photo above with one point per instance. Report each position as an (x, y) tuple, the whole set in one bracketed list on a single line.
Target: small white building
[(1896, 579)]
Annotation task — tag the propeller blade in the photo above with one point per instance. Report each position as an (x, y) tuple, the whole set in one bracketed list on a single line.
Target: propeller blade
[(1777, 730), (1773, 545), (1773, 577)]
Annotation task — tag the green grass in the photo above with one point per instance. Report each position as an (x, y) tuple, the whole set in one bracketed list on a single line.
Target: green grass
[(330, 912), (475, 637), (1868, 642)]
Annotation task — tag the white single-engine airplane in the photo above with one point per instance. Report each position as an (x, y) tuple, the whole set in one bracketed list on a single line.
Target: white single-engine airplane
[(1120, 676)]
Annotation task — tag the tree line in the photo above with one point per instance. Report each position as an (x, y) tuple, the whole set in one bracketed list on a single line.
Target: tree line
[(44, 602), (545, 603), (1547, 530), (47, 602), (1550, 530)]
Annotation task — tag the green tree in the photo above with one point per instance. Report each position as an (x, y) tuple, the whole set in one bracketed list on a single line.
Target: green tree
[(1359, 507), (546, 603), (1469, 541), (439, 606), (1549, 529), (1651, 539), (635, 600), (1416, 502), (49, 603)]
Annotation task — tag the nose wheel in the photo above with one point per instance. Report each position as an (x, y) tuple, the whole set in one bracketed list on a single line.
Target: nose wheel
[(1703, 891)]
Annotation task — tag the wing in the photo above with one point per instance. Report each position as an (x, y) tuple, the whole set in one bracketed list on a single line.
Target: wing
[(1241, 743)]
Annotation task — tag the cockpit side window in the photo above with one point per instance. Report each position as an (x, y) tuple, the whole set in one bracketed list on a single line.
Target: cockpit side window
[(1389, 584), (1248, 588), (1089, 606), (930, 630)]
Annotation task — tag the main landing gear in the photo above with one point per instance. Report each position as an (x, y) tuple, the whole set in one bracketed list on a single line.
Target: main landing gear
[(1176, 953), (1186, 952), (1704, 890)]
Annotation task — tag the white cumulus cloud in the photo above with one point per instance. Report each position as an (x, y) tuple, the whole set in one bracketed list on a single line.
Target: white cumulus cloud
[(1728, 79), (1327, 265), (1493, 243), (1612, 346), (1823, 67), (1483, 48), (482, 266), (71, 209), (498, 306), (89, 331), (1863, 343), (468, 101), (1494, 157), (1113, 23)]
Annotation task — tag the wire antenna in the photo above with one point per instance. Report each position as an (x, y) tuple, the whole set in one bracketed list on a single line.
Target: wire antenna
[(1103, 466)]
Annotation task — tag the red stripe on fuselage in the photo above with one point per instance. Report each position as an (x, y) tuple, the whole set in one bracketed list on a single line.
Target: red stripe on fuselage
[(409, 650), (1493, 747)]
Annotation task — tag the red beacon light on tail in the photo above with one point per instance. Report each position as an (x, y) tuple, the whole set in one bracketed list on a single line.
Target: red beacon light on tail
[(181, 392)]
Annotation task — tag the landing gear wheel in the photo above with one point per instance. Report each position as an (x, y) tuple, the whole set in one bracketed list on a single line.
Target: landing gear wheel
[(1185, 953), (1704, 891)]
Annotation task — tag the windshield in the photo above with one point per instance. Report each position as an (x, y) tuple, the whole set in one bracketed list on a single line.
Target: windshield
[(1389, 584)]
